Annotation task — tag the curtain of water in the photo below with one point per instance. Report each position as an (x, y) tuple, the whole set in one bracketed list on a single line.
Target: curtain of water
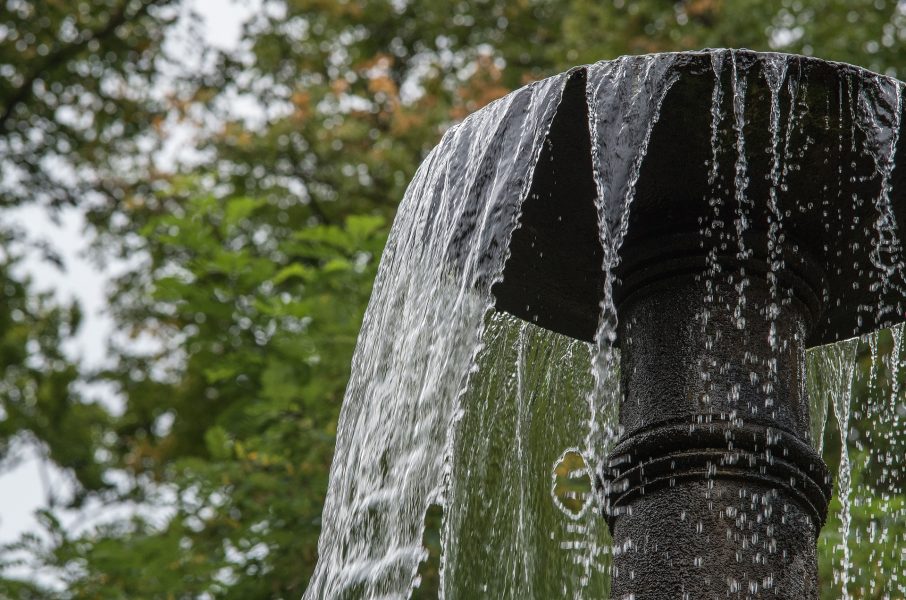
[(521, 521), (418, 340), (501, 424)]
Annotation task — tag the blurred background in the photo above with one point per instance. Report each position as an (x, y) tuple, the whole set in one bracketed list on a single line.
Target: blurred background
[(195, 197)]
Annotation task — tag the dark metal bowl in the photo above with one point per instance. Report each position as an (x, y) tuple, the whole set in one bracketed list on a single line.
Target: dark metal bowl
[(834, 122)]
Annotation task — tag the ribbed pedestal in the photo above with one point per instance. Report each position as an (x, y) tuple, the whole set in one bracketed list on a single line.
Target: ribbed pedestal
[(713, 490)]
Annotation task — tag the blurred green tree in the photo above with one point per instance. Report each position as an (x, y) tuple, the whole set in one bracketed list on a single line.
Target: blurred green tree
[(249, 267), (66, 115)]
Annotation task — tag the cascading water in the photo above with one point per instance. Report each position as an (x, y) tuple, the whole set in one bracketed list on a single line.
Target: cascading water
[(418, 346), (504, 423)]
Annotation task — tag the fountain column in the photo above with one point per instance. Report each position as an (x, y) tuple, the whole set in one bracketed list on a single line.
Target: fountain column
[(713, 490)]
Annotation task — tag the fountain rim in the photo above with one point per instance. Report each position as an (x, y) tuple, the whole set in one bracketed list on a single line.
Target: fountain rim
[(747, 52), (697, 60)]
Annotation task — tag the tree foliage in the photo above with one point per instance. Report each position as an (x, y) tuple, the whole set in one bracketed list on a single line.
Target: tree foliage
[(249, 267)]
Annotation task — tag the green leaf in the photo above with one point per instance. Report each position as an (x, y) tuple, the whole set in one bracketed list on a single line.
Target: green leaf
[(239, 209), (218, 443), (294, 270)]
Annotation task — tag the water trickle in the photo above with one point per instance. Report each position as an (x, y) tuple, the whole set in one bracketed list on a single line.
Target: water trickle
[(624, 99), (775, 73), (741, 181), (876, 512)]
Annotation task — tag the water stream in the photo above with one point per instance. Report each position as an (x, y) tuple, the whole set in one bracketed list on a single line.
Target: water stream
[(490, 429)]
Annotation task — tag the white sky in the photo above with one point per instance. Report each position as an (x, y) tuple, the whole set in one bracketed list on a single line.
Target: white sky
[(24, 489)]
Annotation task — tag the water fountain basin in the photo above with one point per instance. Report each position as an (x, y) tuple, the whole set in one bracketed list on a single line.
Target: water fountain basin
[(838, 142)]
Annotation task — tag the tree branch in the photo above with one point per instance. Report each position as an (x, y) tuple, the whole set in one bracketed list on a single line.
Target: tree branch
[(61, 53)]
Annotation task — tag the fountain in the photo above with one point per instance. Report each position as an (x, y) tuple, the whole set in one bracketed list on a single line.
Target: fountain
[(684, 225)]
